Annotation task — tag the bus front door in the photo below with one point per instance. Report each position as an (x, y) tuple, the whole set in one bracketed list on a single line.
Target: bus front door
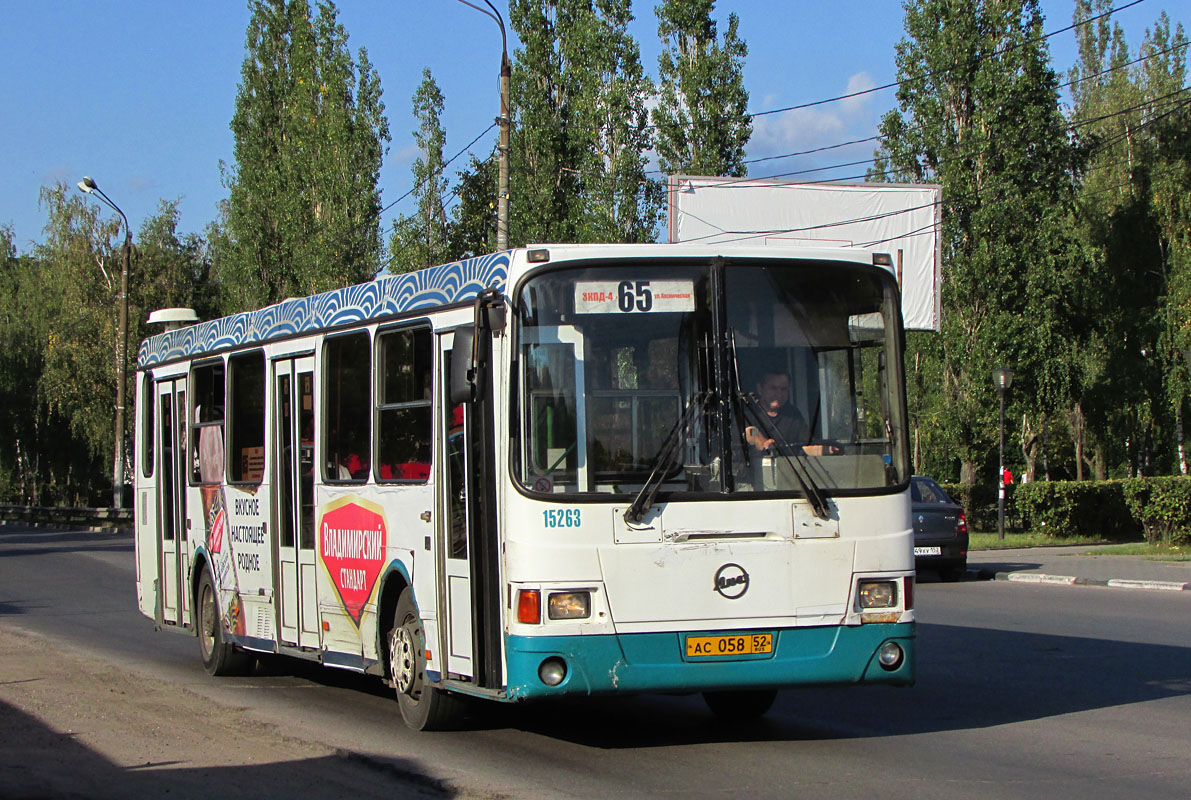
[(470, 601), (293, 492), (173, 562)]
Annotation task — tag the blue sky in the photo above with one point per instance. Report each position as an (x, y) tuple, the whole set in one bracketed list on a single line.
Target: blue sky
[(138, 94)]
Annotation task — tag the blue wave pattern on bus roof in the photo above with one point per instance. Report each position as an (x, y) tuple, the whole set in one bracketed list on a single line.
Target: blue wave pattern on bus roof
[(392, 294)]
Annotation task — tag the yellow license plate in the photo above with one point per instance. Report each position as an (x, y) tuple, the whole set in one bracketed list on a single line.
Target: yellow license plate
[(735, 644)]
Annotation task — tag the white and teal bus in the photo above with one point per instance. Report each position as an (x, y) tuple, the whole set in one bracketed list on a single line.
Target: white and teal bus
[(558, 470)]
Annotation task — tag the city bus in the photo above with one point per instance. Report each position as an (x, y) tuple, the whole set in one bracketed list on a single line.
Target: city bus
[(556, 470)]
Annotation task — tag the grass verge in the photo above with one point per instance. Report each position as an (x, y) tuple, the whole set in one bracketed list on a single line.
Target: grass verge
[(1154, 552), (1013, 541)]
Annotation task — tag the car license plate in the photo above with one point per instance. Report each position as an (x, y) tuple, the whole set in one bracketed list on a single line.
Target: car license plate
[(928, 551), (735, 644)]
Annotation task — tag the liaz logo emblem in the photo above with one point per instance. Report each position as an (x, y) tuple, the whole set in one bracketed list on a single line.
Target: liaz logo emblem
[(731, 581)]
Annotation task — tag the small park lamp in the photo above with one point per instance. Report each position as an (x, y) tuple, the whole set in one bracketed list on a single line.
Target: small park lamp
[(1002, 380), (89, 186)]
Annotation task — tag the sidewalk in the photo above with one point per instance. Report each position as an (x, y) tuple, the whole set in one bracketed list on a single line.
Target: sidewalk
[(1078, 566)]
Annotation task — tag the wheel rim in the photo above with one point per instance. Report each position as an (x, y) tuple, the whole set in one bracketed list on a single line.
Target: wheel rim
[(403, 656), (207, 622)]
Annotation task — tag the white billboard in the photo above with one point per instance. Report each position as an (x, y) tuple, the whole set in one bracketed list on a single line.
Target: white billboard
[(900, 219)]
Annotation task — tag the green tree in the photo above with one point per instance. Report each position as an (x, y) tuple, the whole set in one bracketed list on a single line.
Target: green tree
[(303, 213), (421, 240), (978, 113), (1133, 381), (580, 126), (75, 319), (171, 270), (701, 120), (472, 230)]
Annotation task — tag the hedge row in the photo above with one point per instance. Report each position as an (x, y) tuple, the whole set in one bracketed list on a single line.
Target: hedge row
[(1159, 508)]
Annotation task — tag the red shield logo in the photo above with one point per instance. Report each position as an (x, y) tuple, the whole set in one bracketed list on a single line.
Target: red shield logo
[(352, 542)]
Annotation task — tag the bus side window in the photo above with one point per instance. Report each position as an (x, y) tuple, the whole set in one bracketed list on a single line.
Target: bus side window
[(148, 404), (246, 423), (206, 425), (347, 372), (404, 405)]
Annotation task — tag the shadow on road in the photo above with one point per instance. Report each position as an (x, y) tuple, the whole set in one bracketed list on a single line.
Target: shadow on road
[(37, 761), (969, 678)]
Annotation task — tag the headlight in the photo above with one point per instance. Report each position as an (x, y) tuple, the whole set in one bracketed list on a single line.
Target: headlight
[(878, 594), (569, 605)]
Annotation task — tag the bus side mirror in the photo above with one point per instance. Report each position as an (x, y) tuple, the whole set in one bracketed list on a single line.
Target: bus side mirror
[(469, 356), (463, 384)]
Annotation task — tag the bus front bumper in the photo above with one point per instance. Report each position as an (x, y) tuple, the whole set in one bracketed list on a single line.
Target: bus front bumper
[(657, 662)]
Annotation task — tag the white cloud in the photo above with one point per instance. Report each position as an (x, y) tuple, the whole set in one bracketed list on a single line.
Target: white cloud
[(814, 127), (406, 155), (860, 82)]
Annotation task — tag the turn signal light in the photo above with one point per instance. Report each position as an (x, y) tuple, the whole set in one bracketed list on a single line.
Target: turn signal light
[(529, 606)]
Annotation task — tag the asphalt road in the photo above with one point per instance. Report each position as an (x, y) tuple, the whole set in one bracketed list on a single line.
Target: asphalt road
[(1024, 690)]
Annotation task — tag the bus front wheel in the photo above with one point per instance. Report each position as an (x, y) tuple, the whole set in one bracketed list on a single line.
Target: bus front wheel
[(423, 707), (741, 705), (219, 656)]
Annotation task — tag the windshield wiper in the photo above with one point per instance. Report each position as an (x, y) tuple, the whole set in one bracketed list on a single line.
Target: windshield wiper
[(798, 464), (736, 393), (667, 457)]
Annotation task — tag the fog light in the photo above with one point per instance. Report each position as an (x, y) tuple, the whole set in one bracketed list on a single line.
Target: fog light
[(890, 656), (878, 594), (552, 671), (569, 605)]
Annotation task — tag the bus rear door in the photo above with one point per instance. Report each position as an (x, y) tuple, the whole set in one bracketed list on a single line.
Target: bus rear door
[(173, 601)]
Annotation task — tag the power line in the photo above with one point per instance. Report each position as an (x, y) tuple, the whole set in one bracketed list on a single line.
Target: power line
[(936, 73), (745, 235), (1065, 85)]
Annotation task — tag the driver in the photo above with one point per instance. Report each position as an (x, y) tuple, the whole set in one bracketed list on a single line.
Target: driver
[(773, 391)]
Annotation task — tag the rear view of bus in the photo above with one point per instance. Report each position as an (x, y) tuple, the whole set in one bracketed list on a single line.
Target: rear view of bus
[(709, 475)]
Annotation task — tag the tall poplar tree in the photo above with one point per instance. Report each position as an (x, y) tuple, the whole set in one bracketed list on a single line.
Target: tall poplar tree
[(978, 113), (303, 214), (580, 125), (1133, 381), (421, 240), (701, 120)]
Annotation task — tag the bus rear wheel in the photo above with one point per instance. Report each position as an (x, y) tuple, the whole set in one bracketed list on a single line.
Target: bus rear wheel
[(742, 705), (423, 707), (219, 656)]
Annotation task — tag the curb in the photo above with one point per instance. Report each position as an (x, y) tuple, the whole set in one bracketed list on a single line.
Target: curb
[(1071, 580)]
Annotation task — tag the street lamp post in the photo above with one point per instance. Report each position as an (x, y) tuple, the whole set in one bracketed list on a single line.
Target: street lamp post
[(1002, 380), (91, 187), (502, 189)]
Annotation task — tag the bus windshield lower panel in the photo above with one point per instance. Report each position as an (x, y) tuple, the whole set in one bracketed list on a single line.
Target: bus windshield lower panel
[(744, 378)]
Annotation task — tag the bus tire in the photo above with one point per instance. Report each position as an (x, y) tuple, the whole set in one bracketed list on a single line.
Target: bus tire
[(423, 707), (741, 705), (219, 657)]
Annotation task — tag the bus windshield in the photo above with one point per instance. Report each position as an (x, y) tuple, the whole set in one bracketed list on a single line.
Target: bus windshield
[(746, 378)]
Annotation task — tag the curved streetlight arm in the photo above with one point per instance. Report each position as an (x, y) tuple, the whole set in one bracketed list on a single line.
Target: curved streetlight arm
[(89, 186), (496, 17)]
